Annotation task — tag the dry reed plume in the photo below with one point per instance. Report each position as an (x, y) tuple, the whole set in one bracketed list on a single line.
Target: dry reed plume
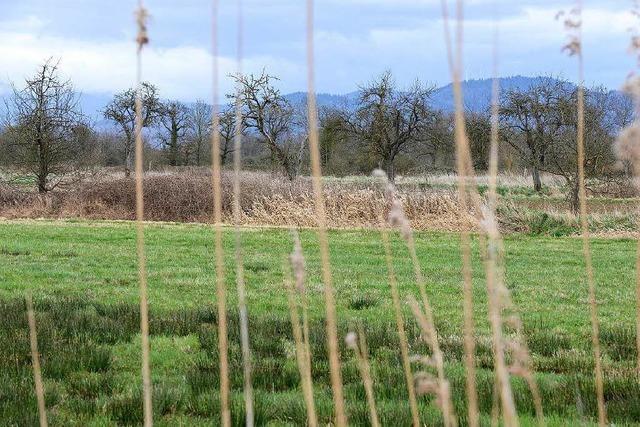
[(297, 300), (498, 294), (357, 343), (35, 362), (398, 219), (395, 297), (221, 292), (321, 216), (141, 40), (573, 25), (237, 221), (425, 382), (628, 149)]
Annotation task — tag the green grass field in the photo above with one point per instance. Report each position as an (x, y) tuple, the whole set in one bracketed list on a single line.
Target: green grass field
[(83, 276)]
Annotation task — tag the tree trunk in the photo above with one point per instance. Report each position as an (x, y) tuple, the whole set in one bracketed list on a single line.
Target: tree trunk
[(42, 184), (537, 183), (128, 162), (575, 198), (388, 166)]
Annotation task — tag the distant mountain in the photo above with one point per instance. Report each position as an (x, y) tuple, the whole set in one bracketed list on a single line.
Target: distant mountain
[(477, 94)]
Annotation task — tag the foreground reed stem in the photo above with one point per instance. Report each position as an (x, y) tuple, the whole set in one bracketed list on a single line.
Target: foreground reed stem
[(297, 299), (35, 362), (240, 282), (221, 292), (142, 39), (357, 343), (330, 304), (400, 327)]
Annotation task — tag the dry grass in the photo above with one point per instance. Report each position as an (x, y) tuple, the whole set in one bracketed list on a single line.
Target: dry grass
[(266, 200)]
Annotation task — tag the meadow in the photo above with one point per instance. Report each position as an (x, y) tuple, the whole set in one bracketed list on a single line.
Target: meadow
[(83, 277)]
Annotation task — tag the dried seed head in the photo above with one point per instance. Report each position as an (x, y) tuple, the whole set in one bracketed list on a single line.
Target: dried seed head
[(297, 262), (379, 173), (351, 340), (426, 384), (572, 22), (628, 144), (397, 218), (141, 20)]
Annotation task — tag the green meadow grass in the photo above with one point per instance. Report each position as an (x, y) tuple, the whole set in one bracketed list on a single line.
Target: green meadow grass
[(83, 277)]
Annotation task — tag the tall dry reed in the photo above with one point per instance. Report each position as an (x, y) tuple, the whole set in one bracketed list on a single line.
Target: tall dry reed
[(221, 291), (237, 221), (142, 39), (397, 310), (35, 362), (397, 218), (425, 382), (628, 148), (330, 304), (464, 170), (573, 25), (358, 344), (297, 300)]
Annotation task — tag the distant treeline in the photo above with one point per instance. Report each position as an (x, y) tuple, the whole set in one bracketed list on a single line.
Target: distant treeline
[(44, 132)]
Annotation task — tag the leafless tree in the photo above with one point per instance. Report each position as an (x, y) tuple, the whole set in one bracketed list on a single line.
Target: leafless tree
[(531, 122), (601, 125), (46, 132), (199, 134), (122, 110), (268, 113), (174, 119), (389, 120), (228, 131)]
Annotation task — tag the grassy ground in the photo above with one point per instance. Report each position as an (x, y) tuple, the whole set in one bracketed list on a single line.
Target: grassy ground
[(83, 278)]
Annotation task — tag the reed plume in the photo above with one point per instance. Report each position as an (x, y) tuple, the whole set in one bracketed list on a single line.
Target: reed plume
[(628, 148), (573, 25), (395, 297), (398, 219), (221, 292), (237, 221), (297, 300), (321, 216), (142, 39), (357, 343), (425, 382)]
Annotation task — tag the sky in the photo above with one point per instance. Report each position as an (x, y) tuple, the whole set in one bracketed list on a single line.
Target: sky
[(355, 41)]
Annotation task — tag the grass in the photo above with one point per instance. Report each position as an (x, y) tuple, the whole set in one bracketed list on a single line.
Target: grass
[(83, 278)]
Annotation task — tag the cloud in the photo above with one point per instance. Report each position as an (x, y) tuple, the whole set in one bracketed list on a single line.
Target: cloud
[(355, 40), (181, 72)]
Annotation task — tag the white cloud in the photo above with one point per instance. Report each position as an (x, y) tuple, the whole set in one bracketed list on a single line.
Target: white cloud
[(182, 72)]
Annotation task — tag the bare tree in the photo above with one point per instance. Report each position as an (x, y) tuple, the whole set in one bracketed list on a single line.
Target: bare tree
[(228, 131), (267, 112), (174, 118), (388, 120), (531, 122), (199, 131), (601, 125), (479, 132), (122, 110), (46, 131)]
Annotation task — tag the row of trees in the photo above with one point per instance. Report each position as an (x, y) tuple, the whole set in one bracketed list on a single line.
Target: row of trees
[(395, 129)]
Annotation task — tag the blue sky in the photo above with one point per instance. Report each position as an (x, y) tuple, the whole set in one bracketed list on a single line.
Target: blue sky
[(355, 41)]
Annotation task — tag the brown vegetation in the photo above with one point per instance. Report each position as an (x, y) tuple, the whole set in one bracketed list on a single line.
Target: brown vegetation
[(266, 200)]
